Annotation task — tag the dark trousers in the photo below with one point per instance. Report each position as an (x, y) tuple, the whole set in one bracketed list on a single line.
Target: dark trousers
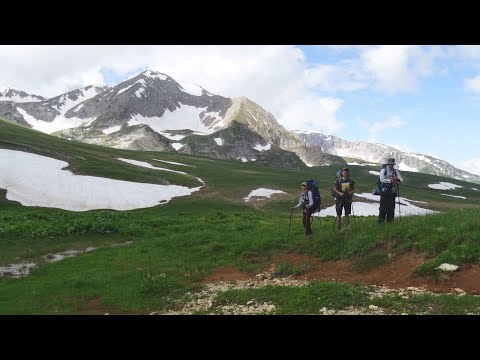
[(387, 208), (307, 220)]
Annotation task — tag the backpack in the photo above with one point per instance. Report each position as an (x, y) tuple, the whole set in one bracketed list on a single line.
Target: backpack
[(338, 176), (380, 185), (312, 186)]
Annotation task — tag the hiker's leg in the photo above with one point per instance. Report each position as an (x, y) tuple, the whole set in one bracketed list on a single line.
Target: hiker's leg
[(309, 222), (382, 208), (338, 208), (391, 209), (348, 210)]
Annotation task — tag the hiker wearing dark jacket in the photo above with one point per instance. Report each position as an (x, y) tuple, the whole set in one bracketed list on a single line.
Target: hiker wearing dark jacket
[(390, 179), (306, 202), (344, 188)]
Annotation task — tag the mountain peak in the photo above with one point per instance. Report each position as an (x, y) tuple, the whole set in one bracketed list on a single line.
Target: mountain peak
[(9, 94), (155, 75)]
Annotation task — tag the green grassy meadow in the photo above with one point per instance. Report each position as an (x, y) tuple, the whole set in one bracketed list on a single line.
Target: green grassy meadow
[(175, 246)]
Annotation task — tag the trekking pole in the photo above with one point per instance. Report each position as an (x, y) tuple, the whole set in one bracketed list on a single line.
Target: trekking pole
[(306, 219), (291, 212), (398, 189), (353, 213)]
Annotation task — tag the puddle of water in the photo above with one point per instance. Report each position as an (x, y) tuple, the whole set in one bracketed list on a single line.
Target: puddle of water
[(23, 269)]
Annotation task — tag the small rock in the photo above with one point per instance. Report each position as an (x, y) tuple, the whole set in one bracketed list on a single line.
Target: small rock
[(373, 307), (250, 302), (447, 267)]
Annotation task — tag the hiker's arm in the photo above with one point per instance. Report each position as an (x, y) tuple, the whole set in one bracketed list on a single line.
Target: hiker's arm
[(399, 177), (336, 190), (384, 179), (298, 205)]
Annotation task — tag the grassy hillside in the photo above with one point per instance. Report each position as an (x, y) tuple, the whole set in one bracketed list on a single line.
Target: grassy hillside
[(176, 246)]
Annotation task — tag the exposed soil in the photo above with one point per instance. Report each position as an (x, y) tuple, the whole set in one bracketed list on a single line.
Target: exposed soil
[(398, 273), (227, 274), (95, 307)]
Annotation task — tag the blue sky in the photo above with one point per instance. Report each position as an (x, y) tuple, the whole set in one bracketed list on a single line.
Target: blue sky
[(424, 99)]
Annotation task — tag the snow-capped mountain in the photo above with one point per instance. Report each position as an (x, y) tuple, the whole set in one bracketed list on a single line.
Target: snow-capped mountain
[(378, 154), (156, 100), (8, 94), (152, 111), (49, 115)]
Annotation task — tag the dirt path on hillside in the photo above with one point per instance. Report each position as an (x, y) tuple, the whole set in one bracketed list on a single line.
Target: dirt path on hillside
[(396, 274)]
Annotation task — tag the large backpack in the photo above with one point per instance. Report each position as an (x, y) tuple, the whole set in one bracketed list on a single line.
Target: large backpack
[(312, 186), (380, 185), (338, 176)]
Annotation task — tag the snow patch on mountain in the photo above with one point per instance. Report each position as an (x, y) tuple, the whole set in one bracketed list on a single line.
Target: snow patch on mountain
[(184, 117), (170, 136), (219, 141), (111, 129), (124, 89), (260, 148), (139, 92), (191, 89), (66, 103), (60, 122), (155, 75), (8, 94)]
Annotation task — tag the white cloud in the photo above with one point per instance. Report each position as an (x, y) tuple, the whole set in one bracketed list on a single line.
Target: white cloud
[(470, 52), (387, 68), (397, 68), (346, 76), (312, 112), (473, 84), (277, 77), (377, 127), (472, 166)]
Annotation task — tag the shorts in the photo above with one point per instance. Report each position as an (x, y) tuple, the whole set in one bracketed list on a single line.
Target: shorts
[(343, 204)]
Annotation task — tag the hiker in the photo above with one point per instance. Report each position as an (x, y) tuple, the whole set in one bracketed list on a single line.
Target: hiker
[(306, 202), (344, 188), (390, 179)]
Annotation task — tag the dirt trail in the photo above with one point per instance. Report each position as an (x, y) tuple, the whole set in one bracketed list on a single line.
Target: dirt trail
[(396, 274)]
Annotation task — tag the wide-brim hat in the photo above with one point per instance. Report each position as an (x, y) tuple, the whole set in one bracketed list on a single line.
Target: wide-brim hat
[(391, 161), (304, 183)]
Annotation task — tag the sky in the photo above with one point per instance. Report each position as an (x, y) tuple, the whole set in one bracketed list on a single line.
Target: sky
[(419, 98)]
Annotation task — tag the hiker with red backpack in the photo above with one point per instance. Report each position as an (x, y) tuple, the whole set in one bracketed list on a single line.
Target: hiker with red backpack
[(344, 188), (306, 202), (390, 180)]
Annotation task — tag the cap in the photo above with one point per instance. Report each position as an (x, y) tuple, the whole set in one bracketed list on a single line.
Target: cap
[(304, 183), (391, 161), (345, 169)]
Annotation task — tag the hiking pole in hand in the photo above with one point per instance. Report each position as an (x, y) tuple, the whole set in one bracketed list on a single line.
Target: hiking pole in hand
[(398, 194), (353, 212), (291, 212)]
